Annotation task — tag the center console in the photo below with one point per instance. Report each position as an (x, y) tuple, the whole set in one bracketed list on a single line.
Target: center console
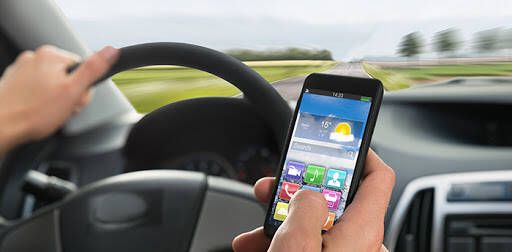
[(454, 212)]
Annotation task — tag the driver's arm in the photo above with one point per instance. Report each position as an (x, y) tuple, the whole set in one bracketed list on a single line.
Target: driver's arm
[(37, 95)]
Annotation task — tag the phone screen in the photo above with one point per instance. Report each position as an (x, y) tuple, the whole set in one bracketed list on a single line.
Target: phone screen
[(323, 150)]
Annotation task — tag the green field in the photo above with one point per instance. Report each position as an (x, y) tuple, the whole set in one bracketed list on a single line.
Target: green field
[(390, 80), (152, 87), (402, 77)]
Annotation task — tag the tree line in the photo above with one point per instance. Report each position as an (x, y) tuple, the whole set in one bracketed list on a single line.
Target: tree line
[(281, 54), (447, 42)]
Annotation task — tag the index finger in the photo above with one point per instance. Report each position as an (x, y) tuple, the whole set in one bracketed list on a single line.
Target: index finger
[(263, 189), (95, 66)]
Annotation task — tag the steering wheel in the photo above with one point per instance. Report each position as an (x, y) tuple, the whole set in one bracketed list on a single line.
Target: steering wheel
[(158, 210)]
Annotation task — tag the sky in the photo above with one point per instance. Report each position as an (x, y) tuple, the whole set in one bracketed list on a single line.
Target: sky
[(350, 29)]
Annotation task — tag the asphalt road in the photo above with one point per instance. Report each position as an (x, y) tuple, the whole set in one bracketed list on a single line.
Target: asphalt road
[(290, 88)]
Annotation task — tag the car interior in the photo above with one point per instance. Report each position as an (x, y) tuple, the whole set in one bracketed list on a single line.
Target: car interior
[(115, 180)]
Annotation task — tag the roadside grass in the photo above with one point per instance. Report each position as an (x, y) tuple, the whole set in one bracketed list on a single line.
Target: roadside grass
[(434, 73), (394, 78), (148, 88), (390, 80)]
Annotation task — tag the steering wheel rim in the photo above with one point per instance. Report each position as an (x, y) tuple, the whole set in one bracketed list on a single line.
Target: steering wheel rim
[(271, 106), (120, 212)]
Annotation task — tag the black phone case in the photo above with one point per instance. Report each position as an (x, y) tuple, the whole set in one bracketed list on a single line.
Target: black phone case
[(354, 85)]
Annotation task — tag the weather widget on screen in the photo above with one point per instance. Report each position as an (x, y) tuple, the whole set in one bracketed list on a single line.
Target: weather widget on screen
[(323, 151)]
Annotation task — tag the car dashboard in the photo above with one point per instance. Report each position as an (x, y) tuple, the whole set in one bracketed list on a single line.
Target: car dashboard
[(436, 137), (444, 141)]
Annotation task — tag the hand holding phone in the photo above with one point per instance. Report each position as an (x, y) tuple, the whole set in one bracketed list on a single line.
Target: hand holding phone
[(328, 140), (361, 227)]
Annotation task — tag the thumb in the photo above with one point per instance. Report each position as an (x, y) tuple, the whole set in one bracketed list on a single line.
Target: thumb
[(302, 228)]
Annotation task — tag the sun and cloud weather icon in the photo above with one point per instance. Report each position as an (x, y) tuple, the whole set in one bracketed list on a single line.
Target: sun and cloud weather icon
[(342, 133)]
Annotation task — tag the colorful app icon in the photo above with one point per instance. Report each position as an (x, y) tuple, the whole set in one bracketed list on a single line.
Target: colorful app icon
[(294, 170), (342, 133), (329, 222), (287, 190), (314, 174), (312, 188), (333, 198), (281, 211), (335, 178)]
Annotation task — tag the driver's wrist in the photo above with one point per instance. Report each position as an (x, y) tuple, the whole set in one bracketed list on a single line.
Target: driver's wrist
[(12, 130)]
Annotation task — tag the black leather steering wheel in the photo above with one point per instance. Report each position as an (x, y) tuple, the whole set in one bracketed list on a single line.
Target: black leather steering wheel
[(154, 210), (271, 106)]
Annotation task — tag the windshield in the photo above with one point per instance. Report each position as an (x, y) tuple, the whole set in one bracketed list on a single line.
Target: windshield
[(404, 43)]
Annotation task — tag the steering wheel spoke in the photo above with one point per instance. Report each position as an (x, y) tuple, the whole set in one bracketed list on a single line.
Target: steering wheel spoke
[(158, 210)]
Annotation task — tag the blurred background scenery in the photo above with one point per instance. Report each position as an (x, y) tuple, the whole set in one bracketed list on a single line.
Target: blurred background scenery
[(404, 43)]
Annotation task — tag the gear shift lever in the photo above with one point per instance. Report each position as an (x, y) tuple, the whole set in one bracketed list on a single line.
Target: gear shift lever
[(47, 188)]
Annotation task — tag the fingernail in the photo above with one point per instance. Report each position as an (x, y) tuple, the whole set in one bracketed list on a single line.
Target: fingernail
[(109, 53)]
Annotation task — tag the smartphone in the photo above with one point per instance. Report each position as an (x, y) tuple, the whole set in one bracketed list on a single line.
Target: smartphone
[(327, 143)]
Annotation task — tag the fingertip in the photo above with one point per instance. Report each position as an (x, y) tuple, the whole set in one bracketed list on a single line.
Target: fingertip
[(316, 199), (86, 98), (109, 53), (372, 156), (373, 162), (47, 48), (24, 56), (96, 65), (84, 101), (376, 164), (389, 175), (310, 205), (263, 189)]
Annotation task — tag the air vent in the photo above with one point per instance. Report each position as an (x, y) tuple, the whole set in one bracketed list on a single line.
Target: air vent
[(415, 233), (484, 232)]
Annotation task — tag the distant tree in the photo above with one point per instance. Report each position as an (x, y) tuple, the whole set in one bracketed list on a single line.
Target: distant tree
[(506, 41), (446, 41), (487, 40), (291, 53), (411, 45)]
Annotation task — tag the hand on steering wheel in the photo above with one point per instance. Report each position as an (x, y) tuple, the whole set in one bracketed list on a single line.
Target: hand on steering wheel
[(360, 228), (100, 209), (37, 95)]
